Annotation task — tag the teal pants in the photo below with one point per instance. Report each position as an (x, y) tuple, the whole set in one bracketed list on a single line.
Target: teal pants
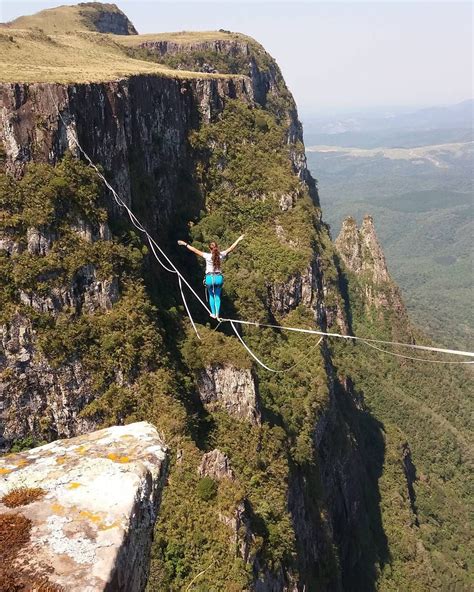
[(214, 288)]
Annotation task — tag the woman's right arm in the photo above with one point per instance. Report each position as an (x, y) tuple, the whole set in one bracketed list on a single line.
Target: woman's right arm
[(191, 248)]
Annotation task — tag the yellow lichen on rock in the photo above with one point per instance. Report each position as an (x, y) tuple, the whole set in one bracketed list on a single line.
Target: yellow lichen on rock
[(74, 485), (117, 458)]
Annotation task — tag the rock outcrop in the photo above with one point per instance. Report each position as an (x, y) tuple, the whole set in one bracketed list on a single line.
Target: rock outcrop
[(106, 18), (311, 289), (91, 527), (362, 254), (298, 289), (216, 464), (85, 16), (361, 250), (230, 389)]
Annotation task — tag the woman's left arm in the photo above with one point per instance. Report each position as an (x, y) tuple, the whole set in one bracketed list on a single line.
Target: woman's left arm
[(232, 247)]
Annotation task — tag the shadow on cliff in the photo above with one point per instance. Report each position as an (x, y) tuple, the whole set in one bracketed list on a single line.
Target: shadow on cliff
[(335, 504), (362, 541)]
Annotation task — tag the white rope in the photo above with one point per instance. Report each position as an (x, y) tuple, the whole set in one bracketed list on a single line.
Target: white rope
[(260, 361), (186, 305), (384, 351), (150, 242), (199, 575), (251, 352), (154, 245), (353, 337)]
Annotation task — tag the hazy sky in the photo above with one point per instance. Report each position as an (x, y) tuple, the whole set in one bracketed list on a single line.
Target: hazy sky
[(334, 55)]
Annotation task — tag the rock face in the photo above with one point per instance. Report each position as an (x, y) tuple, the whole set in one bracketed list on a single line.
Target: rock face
[(86, 292), (215, 464), (231, 389), (136, 127), (311, 289), (92, 529), (361, 250), (362, 254), (106, 19), (299, 289), (266, 82), (37, 399)]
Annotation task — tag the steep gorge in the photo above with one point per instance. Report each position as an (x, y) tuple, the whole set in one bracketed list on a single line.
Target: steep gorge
[(93, 332)]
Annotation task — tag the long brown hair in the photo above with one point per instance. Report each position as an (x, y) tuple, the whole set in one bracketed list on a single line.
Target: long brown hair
[(216, 255)]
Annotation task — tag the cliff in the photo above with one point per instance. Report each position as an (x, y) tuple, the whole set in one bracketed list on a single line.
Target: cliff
[(277, 482)]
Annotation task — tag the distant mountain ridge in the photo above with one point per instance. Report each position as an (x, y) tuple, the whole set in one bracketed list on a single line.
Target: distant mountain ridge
[(422, 201), (430, 125)]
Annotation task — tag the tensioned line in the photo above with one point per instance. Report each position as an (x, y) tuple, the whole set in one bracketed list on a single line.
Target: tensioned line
[(455, 352), (154, 245)]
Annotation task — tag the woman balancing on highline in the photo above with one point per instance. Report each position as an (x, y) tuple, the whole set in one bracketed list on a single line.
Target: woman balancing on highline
[(214, 278)]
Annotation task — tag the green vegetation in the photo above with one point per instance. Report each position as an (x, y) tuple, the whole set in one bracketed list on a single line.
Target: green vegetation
[(133, 375), (53, 202), (205, 59), (242, 183), (25, 443), (207, 489)]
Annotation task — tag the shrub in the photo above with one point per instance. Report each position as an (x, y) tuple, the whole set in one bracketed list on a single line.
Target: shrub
[(207, 489)]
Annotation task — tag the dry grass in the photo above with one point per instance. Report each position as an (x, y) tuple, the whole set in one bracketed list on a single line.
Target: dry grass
[(184, 37), (14, 533), (32, 56), (61, 45), (22, 496)]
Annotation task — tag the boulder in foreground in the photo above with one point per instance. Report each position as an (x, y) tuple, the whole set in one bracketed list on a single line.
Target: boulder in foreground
[(89, 524)]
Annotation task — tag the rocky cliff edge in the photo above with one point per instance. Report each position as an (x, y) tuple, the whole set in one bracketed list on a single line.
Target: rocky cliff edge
[(90, 522)]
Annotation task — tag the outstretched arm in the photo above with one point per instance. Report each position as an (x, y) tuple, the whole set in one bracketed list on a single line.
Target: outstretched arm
[(191, 248), (232, 247)]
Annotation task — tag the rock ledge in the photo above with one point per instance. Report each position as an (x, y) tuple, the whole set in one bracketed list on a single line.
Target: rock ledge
[(92, 529)]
